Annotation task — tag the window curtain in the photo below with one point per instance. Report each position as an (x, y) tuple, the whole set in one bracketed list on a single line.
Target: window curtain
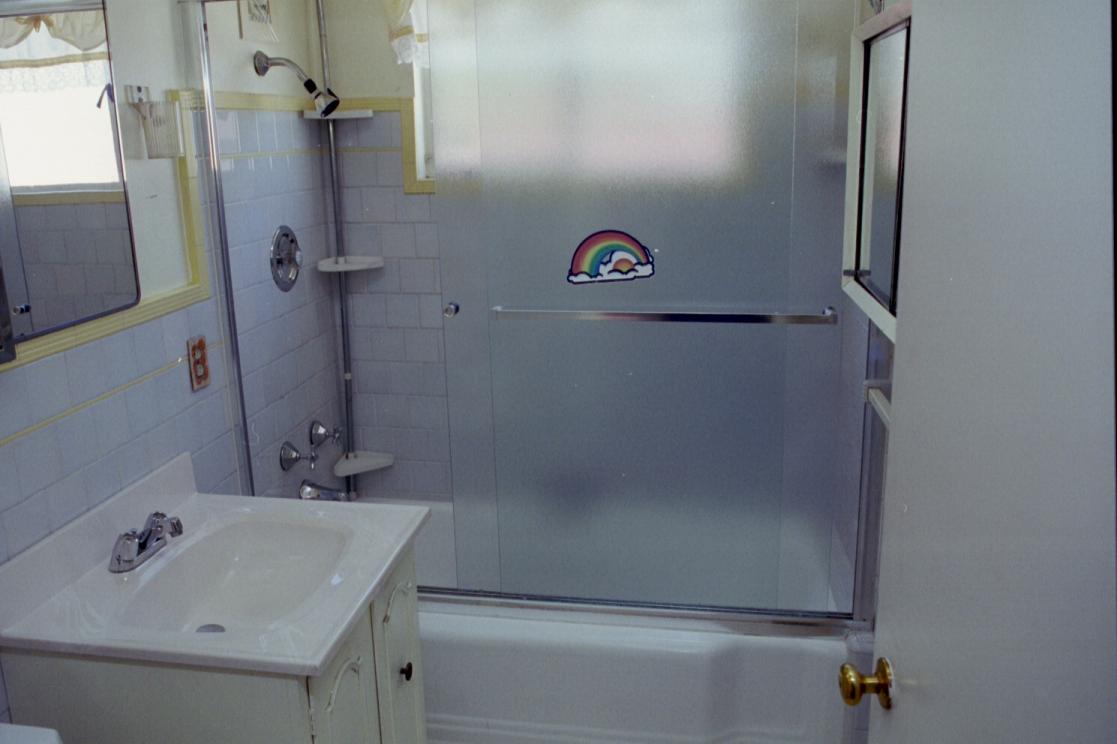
[(407, 30), (53, 52)]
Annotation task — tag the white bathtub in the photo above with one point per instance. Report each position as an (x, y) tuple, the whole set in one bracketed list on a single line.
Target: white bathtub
[(519, 677)]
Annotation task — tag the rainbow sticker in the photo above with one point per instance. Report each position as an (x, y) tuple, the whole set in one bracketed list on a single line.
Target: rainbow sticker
[(610, 256)]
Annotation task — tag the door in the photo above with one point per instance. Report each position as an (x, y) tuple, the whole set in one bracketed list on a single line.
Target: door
[(996, 595)]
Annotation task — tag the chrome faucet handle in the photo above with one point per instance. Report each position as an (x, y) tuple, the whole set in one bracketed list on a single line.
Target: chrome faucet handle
[(124, 552), (319, 434), (289, 456), (175, 525)]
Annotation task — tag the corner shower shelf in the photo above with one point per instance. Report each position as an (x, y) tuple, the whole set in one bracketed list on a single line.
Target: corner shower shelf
[(362, 462), (340, 114), (350, 263)]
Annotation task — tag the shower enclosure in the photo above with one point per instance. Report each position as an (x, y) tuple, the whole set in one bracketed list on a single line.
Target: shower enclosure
[(676, 462), (646, 389)]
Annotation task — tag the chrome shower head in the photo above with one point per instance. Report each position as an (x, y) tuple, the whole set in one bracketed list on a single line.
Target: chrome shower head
[(325, 102)]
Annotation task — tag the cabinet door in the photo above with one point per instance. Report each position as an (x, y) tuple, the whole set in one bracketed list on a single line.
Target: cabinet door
[(343, 700), (395, 628)]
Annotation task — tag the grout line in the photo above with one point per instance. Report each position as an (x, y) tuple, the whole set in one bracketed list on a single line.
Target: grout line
[(94, 401)]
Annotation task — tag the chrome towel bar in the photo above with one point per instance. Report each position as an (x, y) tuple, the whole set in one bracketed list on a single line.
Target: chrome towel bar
[(829, 316)]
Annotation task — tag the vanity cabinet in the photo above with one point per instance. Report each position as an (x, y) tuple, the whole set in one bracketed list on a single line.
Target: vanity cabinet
[(370, 692)]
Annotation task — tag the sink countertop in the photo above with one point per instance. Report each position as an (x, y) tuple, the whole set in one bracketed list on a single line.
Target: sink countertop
[(286, 579)]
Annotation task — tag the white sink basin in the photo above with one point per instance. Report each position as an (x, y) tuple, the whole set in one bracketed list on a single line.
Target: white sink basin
[(258, 584), (244, 573)]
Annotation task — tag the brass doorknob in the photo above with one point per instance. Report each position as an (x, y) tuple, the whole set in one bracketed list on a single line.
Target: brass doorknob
[(854, 684)]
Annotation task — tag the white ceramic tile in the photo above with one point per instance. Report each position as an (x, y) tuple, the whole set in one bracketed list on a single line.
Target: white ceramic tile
[(382, 130), (47, 387), (10, 493), (426, 412), (16, 403), (265, 127), (143, 408), (77, 440), (90, 216), (423, 345), (419, 275), (228, 139), (378, 204), (402, 311), (25, 524), (412, 207), (426, 240), (388, 345), (110, 421), (176, 331), (389, 168), (430, 311), (102, 480), (38, 461), (65, 500), (246, 125), (397, 241), (150, 349), (405, 378), (392, 411), (162, 444), (358, 169), (131, 461)]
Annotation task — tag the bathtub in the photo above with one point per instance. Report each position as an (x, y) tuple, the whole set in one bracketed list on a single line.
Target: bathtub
[(528, 676)]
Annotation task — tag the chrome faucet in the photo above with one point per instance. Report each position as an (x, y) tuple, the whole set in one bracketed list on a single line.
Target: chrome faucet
[(310, 491), (134, 547)]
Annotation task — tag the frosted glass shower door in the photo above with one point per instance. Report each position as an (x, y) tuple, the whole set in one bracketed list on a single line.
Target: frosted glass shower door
[(633, 461)]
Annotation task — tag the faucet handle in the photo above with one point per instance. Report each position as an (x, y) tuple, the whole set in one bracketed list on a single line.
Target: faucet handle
[(176, 526), (124, 551)]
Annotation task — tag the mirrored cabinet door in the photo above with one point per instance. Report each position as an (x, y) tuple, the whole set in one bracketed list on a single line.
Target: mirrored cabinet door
[(878, 243), (65, 238), (874, 191)]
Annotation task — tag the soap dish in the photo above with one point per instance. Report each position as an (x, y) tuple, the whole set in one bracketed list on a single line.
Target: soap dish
[(354, 463), (350, 263)]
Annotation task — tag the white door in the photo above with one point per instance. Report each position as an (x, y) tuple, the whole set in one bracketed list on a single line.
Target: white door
[(997, 588)]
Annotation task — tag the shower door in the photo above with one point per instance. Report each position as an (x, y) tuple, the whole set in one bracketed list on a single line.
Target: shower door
[(671, 462)]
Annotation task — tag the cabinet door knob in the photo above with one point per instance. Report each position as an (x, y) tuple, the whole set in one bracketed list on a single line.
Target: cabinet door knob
[(407, 671)]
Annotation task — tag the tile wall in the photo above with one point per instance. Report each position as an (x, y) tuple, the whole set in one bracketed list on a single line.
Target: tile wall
[(273, 174), (77, 260), (77, 427), (395, 316)]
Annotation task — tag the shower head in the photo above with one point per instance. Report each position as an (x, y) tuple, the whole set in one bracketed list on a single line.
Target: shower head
[(325, 102)]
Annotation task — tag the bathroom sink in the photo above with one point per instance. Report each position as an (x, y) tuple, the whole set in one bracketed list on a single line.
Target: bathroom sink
[(258, 584), (242, 574)]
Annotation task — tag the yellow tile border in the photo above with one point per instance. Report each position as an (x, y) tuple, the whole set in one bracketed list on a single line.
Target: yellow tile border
[(102, 397), (57, 198), (405, 107)]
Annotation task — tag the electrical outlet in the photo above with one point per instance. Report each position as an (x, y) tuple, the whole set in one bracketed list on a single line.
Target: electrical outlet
[(199, 362)]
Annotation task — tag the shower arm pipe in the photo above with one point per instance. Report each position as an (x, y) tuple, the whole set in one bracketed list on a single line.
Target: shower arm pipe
[(339, 247)]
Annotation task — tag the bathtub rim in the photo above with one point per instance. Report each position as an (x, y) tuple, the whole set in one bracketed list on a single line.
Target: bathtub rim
[(728, 620)]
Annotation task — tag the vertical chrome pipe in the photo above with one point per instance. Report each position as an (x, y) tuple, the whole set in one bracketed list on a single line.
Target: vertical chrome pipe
[(339, 247), (221, 250)]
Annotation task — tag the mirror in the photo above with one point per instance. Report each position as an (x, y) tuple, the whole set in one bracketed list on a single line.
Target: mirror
[(66, 250), (882, 156)]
